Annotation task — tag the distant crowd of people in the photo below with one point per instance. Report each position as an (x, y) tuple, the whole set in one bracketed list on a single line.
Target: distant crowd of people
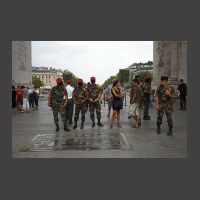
[(25, 99)]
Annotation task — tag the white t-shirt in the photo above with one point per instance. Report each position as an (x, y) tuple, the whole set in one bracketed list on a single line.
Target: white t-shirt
[(70, 90), (109, 91)]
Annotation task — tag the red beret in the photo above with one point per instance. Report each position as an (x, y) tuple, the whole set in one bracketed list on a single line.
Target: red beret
[(80, 81), (58, 80), (68, 81), (92, 78)]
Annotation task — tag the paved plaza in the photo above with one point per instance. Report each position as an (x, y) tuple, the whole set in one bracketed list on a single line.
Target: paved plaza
[(34, 136)]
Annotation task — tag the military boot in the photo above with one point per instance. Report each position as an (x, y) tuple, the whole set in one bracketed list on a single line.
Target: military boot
[(57, 127), (65, 127), (75, 125), (158, 129), (93, 123), (170, 131), (99, 123), (82, 126)]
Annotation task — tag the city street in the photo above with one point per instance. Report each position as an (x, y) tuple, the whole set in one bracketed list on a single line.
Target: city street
[(34, 136)]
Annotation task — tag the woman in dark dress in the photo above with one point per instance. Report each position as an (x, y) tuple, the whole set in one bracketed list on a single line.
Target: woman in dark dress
[(117, 103)]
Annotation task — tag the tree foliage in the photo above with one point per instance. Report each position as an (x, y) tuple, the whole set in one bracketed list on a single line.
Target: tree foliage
[(37, 82), (123, 75), (108, 81), (67, 75)]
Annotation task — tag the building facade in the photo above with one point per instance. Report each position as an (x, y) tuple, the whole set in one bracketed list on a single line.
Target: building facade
[(21, 63), (170, 59), (47, 75), (136, 69)]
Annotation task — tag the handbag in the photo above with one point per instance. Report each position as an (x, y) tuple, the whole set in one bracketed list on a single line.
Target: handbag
[(117, 104)]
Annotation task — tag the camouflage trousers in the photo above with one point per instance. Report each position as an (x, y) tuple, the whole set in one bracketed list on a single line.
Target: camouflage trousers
[(92, 107), (58, 108), (146, 103), (79, 109), (168, 109)]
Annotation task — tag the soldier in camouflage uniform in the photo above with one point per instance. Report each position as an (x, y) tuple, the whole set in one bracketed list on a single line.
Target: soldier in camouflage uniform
[(80, 99), (146, 89), (58, 104), (164, 98), (94, 94)]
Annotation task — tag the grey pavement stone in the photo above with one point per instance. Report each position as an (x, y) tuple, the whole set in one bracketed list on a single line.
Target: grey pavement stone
[(144, 141)]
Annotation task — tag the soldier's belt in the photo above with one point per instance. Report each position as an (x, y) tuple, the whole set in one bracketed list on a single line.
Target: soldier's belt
[(57, 102)]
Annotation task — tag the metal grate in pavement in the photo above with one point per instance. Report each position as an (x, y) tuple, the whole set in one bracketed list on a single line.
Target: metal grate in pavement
[(83, 141)]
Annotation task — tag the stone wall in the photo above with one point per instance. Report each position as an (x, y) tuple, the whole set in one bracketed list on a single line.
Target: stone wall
[(170, 59), (21, 63)]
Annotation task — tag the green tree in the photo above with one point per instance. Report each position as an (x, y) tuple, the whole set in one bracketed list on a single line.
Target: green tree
[(67, 75), (123, 75), (108, 81), (37, 82)]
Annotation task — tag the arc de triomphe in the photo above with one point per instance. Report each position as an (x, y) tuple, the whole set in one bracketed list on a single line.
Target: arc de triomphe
[(21, 63), (169, 58)]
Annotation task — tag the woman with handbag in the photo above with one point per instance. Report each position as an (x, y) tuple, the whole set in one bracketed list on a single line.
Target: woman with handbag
[(117, 103)]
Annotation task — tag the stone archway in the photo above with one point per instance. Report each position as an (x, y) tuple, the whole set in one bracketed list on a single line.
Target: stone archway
[(170, 59), (21, 63)]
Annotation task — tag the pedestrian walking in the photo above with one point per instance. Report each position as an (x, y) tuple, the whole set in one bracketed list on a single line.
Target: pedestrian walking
[(151, 101), (182, 88), (109, 97), (70, 104), (94, 94), (13, 97), (123, 90), (36, 97), (117, 103), (19, 98), (26, 107), (31, 99), (164, 99), (58, 104), (136, 103), (80, 98)]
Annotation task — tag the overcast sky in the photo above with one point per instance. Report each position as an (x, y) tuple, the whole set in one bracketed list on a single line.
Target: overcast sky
[(101, 59)]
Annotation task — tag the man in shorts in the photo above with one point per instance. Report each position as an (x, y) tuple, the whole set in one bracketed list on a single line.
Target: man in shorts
[(136, 102)]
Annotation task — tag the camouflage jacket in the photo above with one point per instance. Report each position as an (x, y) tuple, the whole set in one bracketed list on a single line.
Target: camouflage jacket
[(146, 88), (93, 91), (161, 94), (79, 94), (57, 93)]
